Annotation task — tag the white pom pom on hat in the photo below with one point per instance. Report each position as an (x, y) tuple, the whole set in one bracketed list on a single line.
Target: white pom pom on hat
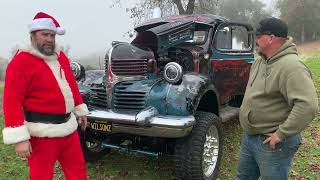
[(43, 21)]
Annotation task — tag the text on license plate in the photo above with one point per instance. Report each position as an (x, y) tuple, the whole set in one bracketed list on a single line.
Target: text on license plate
[(100, 126)]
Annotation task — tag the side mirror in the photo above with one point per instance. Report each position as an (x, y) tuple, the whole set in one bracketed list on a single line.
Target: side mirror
[(78, 70), (225, 30)]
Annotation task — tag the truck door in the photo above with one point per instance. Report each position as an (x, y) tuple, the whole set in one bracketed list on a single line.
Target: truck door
[(231, 58)]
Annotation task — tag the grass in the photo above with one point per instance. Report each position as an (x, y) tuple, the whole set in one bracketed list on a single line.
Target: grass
[(11, 166), (126, 166), (306, 164), (310, 56), (1, 88)]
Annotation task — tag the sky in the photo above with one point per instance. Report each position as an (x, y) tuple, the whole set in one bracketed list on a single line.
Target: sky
[(90, 26)]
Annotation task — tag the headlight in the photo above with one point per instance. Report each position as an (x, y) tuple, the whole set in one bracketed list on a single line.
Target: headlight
[(77, 70), (172, 72)]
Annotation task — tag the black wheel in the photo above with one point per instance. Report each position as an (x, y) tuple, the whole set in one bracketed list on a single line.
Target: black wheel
[(198, 156), (92, 151)]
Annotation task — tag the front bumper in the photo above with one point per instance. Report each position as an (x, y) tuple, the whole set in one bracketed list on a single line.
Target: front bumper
[(147, 122)]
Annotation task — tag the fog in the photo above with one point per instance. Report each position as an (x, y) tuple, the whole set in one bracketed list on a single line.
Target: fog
[(90, 26)]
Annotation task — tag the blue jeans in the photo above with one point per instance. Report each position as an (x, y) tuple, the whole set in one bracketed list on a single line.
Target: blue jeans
[(258, 159)]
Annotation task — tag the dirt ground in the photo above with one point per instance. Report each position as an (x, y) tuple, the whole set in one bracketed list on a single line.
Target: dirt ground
[(307, 47)]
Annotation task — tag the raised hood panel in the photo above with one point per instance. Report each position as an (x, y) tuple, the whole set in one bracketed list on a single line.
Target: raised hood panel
[(130, 51), (129, 60), (166, 35)]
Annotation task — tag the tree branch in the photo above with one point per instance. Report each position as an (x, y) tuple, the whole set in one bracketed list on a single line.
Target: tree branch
[(190, 7), (179, 6)]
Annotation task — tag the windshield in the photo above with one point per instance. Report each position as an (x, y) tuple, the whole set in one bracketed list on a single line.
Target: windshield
[(200, 34)]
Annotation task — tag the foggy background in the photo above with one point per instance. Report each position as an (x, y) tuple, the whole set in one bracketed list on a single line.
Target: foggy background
[(91, 26)]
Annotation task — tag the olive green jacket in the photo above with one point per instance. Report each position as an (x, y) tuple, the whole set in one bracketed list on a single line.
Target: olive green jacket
[(280, 95)]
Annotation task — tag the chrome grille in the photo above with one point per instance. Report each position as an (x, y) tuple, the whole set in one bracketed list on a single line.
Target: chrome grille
[(124, 99), (98, 98), (129, 67)]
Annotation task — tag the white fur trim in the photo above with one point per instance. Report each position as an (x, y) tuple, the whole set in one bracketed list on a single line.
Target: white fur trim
[(62, 82), (53, 130), (81, 110), (61, 31), (15, 135), (53, 63), (42, 24), (30, 49)]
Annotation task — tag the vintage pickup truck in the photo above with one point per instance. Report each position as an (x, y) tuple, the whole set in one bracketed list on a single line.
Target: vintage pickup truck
[(168, 91)]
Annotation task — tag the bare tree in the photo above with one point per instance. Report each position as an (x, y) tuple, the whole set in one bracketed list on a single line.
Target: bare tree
[(144, 9), (303, 18), (249, 11)]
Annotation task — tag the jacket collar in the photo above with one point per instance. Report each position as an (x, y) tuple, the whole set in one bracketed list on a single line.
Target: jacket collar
[(33, 51), (287, 48)]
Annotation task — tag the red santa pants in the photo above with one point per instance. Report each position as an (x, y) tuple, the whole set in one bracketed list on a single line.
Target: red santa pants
[(46, 151)]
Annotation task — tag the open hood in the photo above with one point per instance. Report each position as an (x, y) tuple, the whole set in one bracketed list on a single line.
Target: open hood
[(166, 35)]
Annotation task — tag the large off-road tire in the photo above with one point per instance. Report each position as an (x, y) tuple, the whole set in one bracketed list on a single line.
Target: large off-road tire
[(92, 151), (198, 156)]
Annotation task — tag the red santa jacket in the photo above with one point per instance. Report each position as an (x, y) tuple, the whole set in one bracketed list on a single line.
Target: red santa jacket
[(38, 83)]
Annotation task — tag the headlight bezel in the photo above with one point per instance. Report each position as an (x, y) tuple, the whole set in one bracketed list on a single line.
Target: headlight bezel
[(77, 70), (177, 70)]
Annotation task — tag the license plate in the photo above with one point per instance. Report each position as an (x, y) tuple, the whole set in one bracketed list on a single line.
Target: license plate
[(98, 125)]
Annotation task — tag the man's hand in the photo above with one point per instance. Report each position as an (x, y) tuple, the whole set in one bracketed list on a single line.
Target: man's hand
[(82, 120), (23, 149), (273, 139)]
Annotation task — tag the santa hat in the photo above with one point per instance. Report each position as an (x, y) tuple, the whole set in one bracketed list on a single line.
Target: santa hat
[(43, 21)]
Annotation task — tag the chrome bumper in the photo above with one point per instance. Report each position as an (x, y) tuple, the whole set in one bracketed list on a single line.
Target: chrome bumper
[(147, 122)]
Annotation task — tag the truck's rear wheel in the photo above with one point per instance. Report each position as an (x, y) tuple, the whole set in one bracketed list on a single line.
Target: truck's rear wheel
[(198, 156)]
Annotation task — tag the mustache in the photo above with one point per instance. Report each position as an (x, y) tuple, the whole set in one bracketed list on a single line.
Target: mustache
[(46, 49), (48, 44)]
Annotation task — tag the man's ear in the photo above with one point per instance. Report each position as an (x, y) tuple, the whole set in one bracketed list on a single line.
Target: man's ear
[(272, 37), (31, 36)]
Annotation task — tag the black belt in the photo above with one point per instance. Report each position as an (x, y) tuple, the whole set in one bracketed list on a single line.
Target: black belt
[(46, 118)]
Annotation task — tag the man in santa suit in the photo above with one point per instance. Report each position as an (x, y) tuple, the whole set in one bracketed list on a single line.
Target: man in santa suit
[(42, 105)]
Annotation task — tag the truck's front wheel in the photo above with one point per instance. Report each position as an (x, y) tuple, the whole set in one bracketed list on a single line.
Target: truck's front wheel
[(198, 156), (92, 151)]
